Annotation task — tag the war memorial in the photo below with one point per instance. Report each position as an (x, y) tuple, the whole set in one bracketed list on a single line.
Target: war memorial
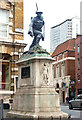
[(36, 97)]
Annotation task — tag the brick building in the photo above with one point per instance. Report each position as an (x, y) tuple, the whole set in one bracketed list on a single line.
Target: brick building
[(64, 69), (11, 45), (78, 64)]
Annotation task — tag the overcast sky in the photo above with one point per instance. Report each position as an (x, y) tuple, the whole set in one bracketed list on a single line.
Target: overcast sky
[(54, 12)]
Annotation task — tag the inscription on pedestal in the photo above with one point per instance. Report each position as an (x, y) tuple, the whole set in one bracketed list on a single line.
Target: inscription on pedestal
[(25, 72)]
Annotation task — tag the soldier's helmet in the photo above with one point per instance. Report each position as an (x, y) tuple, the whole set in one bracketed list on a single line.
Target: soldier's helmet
[(39, 13)]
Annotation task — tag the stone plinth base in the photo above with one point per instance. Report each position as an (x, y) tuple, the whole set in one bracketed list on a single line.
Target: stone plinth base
[(58, 115), (37, 103)]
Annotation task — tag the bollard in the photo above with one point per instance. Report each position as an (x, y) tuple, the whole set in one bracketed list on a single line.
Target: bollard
[(69, 117), (60, 117), (1, 109), (51, 118), (38, 117)]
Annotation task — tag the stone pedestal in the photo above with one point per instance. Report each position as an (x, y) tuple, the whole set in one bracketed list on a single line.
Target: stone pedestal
[(36, 96)]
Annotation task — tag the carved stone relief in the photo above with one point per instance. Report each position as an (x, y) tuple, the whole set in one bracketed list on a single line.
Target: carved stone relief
[(44, 72)]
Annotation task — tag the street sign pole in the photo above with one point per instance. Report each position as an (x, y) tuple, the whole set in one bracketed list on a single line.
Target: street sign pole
[(1, 109)]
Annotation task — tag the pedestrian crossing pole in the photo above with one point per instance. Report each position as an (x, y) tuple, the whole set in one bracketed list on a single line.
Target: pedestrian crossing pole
[(1, 109)]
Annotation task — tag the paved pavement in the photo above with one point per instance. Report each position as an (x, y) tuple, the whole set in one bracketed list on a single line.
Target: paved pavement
[(76, 114)]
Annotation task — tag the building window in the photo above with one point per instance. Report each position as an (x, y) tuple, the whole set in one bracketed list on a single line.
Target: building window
[(57, 85), (63, 55), (78, 77), (78, 61), (4, 85), (63, 71), (78, 48), (57, 58), (4, 23), (16, 82), (57, 72), (81, 46)]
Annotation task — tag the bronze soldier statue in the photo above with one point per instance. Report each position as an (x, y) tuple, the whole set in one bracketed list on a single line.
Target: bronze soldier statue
[(35, 29)]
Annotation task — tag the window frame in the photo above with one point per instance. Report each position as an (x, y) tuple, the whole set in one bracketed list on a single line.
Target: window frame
[(6, 24)]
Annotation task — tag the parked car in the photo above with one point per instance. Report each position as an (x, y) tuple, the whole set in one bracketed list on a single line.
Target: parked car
[(76, 103)]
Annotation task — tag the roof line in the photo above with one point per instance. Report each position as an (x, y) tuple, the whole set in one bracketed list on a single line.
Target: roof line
[(67, 49), (61, 23)]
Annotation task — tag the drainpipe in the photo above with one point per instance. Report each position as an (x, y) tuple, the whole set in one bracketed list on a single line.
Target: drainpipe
[(13, 40)]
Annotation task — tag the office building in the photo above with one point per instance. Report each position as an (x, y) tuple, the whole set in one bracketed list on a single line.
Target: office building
[(63, 32)]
